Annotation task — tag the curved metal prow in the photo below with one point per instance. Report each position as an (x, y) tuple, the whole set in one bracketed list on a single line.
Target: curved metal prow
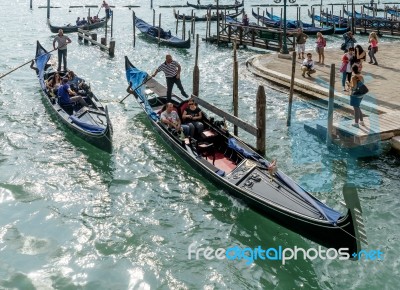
[(352, 202)]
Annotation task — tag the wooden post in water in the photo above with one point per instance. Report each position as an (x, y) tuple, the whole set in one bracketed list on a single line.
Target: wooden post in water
[(183, 27), (177, 21), (289, 117), (194, 25), (85, 41), (112, 21), (159, 29), (30, 4), (261, 119), (312, 13), (207, 21), (258, 13), (209, 24), (151, 5), (196, 72), (111, 48), (134, 28), (106, 34), (93, 35), (235, 92), (217, 23), (48, 9), (154, 17), (331, 98)]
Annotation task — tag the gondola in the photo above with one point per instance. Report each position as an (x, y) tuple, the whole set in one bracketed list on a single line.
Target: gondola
[(92, 123), (338, 30), (330, 21), (166, 38), (74, 28), (309, 30), (213, 16), (290, 23), (232, 165), (375, 9), (213, 7)]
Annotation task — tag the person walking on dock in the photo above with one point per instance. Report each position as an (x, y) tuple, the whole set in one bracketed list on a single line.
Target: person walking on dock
[(62, 42), (172, 71), (373, 48), (349, 40), (301, 39), (356, 97)]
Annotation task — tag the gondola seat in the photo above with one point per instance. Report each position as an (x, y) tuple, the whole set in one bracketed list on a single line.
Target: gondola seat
[(206, 150)]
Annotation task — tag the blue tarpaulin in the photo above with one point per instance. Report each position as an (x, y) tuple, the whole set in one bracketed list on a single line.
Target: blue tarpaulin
[(137, 77), (86, 126)]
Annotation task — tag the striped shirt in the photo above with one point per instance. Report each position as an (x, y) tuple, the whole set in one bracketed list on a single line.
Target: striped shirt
[(170, 69)]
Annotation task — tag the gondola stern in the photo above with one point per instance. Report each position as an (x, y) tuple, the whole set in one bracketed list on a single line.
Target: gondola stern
[(352, 203)]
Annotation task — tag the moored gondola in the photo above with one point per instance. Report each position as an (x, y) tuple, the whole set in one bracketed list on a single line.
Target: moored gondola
[(212, 17), (274, 21), (74, 28), (221, 7), (166, 38), (232, 165), (91, 123)]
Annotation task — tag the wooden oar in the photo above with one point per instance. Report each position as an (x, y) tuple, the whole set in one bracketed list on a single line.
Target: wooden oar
[(99, 10), (130, 85), (2, 76)]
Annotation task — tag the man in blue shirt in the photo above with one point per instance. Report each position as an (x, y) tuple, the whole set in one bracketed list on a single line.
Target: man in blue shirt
[(65, 93)]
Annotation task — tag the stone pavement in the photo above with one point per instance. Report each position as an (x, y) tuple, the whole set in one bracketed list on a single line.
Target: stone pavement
[(383, 81)]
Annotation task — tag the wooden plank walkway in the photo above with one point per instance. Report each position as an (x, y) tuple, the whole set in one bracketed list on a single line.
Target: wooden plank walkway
[(377, 127)]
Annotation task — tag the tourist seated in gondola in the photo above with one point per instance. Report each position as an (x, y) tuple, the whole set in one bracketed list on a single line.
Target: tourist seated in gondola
[(78, 21), (74, 81), (83, 21), (192, 116), (68, 96), (96, 19), (53, 83), (170, 118)]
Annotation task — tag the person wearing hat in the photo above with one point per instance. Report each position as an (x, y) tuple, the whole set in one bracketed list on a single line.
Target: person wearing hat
[(68, 96)]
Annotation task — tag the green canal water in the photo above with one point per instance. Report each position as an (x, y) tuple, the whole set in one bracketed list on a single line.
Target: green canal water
[(72, 217)]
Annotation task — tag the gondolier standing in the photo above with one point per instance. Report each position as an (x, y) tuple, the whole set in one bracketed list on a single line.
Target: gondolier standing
[(172, 71), (62, 42), (107, 8)]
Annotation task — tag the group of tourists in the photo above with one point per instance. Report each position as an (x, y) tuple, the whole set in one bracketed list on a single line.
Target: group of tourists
[(88, 20), (351, 67)]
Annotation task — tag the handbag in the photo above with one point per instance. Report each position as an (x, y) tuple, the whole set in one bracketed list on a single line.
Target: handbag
[(361, 89), (369, 47)]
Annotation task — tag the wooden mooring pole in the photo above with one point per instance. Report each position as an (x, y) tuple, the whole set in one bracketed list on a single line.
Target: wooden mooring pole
[(261, 119), (112, 21), (151, 5), (183, 27), (196, 72), (154, 17), (177, 21), (235, 92), (48, 9), (289, 117), (134, 28), (30, 4), (331, 97), (217, 23), (159, 29)]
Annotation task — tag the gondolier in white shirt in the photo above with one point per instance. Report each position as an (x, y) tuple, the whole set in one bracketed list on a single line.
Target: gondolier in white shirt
[(62, 41), (172, 71)]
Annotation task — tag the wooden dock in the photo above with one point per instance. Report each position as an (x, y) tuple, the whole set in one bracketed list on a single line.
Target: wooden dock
[(377, 128), (255, 36)]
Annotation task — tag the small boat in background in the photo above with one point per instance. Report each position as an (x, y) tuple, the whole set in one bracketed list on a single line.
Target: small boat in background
[(166, 38), (213, 17), (212, 6), (74, 28)]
